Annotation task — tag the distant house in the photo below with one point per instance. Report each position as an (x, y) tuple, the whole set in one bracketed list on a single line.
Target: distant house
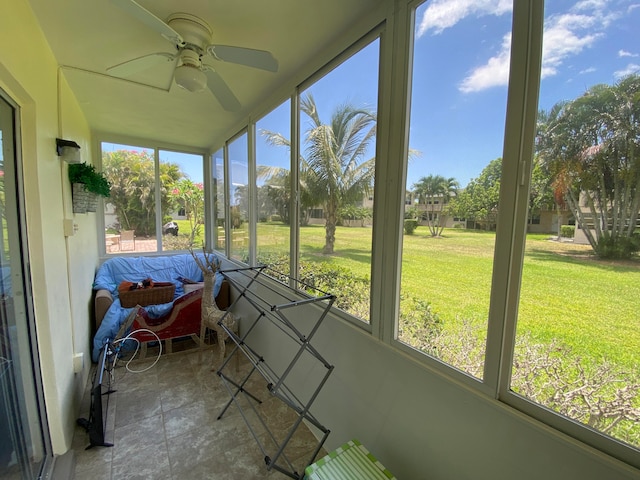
[(543, 221), (548, 221), (316, 214), (579, 236)]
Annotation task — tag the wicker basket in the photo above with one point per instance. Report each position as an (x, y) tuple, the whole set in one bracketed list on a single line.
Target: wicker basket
[(161, 292), (80, 198), (190, 287)]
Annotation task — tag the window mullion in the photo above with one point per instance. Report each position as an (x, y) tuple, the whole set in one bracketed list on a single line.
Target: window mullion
[(252, 191), (227, 201), (294, 207), (158, 199), (209, 212), (520, 130), (395, 79)]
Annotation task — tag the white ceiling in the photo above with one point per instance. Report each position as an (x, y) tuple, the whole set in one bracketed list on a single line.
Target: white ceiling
[(88, 36)]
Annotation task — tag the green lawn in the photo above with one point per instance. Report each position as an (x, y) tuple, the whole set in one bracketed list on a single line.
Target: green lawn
[(566, 294), (585, 303), (184, 230)]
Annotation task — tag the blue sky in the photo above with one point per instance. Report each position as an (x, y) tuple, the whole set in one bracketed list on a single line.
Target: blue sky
[(458, 113)]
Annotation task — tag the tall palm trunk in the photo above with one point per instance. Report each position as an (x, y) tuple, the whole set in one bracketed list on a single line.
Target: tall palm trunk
[(330, 227)]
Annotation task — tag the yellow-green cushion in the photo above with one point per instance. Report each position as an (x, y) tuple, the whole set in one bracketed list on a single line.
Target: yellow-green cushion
[(351, 461)]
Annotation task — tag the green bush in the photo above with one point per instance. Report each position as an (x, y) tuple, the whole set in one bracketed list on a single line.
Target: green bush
[(598, 393), (180, 242), (411, 212), (352, 291), (418, 324), (617, 248), (410, 226), (567, 231)]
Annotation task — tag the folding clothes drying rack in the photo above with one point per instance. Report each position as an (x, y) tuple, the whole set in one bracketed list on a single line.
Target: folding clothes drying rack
[(297, 313)]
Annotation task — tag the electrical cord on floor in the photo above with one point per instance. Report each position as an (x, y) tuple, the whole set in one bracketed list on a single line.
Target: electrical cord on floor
[(130, 337)]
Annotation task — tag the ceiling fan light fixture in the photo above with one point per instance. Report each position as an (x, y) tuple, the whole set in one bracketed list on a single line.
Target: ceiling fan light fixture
[(190, 78)]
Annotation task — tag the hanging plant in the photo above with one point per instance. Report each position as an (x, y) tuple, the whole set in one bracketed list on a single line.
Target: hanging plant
[(93, 180)]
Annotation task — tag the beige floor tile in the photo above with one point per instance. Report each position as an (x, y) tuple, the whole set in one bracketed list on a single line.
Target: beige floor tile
[(164, 425)]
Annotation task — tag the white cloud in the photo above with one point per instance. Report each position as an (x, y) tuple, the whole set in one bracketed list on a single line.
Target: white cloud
[(590, 5), (631, 68), (624, 53), (494, 73), (587, 70), (562, 39), (599, 9), (565, 36), (442, 14)]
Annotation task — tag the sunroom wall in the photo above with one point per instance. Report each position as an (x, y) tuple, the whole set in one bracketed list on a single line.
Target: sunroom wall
[(62, 268)]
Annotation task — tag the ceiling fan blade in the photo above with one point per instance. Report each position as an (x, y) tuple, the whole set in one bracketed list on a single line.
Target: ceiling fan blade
[(221, 90), (244, 56), (150, 20), (128, 68)]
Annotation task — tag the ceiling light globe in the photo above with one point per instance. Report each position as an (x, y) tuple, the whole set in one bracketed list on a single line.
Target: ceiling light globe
[(190, 78)]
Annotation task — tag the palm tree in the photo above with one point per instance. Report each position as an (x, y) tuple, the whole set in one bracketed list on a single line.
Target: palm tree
[(590, 146), (132, 176), (333, 170), (433, 189)]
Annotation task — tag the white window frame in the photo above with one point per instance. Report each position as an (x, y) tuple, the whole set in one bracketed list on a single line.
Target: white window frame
[(156, 147)]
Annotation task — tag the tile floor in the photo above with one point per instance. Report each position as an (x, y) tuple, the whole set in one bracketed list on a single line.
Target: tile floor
[(163, 424)]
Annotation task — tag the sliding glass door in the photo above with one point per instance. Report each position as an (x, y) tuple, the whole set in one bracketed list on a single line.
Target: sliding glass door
[(24, 445)]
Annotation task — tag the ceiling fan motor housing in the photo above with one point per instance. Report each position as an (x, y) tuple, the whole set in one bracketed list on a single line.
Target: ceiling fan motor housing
[(193, 30), (190, 57)]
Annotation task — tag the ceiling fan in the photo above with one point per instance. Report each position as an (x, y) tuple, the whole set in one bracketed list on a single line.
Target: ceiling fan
[(194, 56)]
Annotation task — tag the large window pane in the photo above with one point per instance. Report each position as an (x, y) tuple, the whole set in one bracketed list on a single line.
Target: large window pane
[(239, 198), (458, 106), (130, 212), (337, 168), (577, 341), (274, 188), (183, 205)]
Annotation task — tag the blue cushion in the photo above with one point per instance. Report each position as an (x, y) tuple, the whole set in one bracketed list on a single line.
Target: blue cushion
[(135, 269)]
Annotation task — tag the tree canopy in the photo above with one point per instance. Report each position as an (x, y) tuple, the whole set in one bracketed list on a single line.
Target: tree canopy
[(432, 190), (132, 178), (591, 148), (333, 169), (190, 196), (479, 200)]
